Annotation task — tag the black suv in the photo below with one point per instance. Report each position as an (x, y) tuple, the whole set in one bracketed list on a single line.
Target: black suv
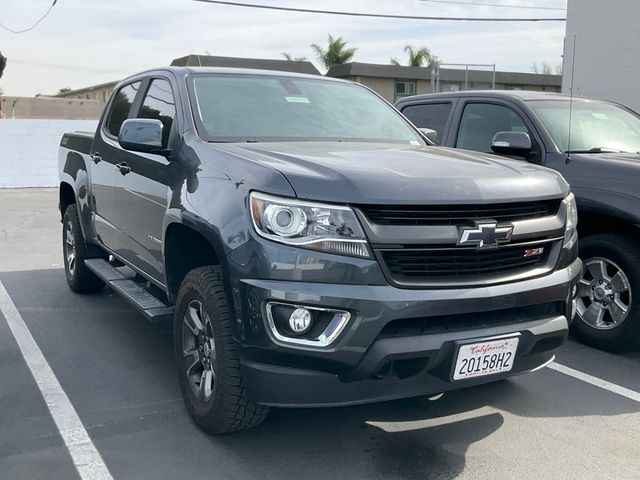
[(309, 246), (598, 156)]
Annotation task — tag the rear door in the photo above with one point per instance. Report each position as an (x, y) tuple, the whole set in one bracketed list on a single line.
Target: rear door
[(434, 115), (105, 154), (143, 194)]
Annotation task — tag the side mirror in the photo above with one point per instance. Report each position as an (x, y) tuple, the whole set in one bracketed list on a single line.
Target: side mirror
[(511, 143), (431, 135), (142, 135)]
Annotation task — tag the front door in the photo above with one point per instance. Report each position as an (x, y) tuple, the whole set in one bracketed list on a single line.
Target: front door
[(105, 154), (143, 187), (480, 121)]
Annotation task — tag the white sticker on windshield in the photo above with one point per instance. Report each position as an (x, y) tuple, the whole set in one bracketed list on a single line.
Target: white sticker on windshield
[(414, 142), (600, 116), (297, 99)]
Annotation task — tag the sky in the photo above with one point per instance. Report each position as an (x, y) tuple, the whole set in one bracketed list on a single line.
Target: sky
[(107, 40)]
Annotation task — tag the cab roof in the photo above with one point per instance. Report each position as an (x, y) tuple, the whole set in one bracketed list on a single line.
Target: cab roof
[(523, 95), (184, 71)]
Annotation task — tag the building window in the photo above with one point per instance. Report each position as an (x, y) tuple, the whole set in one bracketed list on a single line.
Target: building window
[(404, 88)]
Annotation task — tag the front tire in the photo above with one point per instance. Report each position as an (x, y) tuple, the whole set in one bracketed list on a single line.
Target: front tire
[(79, 278), (608, 310), (207, 357)]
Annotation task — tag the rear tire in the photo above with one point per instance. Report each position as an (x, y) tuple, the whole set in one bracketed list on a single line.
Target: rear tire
[(608, 314), (207, 357), (79, 278)]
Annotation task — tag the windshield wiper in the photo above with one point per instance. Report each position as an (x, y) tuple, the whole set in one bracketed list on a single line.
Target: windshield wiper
[(597, 150)]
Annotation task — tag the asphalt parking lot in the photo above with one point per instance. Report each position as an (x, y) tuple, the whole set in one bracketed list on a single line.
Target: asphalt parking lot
[(117, 372)]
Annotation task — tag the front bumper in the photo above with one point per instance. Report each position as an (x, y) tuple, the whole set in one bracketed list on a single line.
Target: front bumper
[(365, 364)]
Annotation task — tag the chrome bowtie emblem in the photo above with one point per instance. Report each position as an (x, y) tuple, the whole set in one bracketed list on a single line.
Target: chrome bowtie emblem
[(485, 235)]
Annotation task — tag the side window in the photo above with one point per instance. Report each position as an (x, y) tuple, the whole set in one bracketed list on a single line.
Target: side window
[(159, 104), (121, 107), (429, 115), (481, 121)]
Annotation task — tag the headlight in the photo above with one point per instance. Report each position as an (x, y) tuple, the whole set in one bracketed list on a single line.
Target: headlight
[(330, 228), (571, 230)]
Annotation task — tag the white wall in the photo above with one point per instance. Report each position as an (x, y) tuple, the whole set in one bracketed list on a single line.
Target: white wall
[(29, 150), (607, 62)]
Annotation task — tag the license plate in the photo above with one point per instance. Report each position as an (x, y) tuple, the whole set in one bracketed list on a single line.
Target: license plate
[(485, 358)]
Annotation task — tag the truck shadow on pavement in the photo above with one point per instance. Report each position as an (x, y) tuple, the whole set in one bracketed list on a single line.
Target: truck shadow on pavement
[(391, 440), (133, 366)]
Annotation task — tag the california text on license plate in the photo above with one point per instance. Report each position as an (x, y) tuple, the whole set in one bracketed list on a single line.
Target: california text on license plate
[(485, 358)]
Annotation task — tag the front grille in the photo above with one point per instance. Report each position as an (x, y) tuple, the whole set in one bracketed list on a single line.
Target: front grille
[(406, 266), (458, 214), (409, 327)]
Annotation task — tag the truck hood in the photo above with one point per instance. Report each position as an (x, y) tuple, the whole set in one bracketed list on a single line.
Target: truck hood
[(613, 173), (377, 173), (630, 159)]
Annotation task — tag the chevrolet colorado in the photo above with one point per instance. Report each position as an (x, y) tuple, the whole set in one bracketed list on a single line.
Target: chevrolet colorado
[(600, 158), (310, 246)]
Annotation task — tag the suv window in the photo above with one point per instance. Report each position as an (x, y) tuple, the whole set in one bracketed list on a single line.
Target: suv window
[(481, 121), (121, 107), (429, 115), (159, 104)]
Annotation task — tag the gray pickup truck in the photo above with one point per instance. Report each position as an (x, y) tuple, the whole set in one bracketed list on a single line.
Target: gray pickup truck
[(310, 246)]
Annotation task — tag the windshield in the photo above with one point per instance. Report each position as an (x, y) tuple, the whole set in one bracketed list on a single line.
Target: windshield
[(241, 108), (595, 126)]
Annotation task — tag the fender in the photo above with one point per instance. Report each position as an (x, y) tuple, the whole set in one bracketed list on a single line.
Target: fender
[(617, 205), (74, 172)]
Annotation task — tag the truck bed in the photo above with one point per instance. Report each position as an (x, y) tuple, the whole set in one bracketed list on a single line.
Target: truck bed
[(79, 141)]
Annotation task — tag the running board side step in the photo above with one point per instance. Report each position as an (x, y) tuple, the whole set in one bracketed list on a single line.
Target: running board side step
[(150, 306)]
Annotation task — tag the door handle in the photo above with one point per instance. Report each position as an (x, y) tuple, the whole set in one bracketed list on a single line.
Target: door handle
[(96, 158), (123, 167)]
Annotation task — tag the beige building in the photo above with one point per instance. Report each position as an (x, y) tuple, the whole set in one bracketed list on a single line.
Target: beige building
[(394, 82), (390, 81), (100, 93)]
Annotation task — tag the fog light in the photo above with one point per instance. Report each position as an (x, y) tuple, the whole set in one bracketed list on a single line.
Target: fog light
[(300, 321), (312, 326)]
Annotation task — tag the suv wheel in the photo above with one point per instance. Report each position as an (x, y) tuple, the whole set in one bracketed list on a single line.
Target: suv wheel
[(207, 357), (79, 278), (608, 310)]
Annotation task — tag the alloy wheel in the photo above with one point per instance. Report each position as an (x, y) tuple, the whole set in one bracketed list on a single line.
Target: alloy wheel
[(70, 247), (604, 294), (199, 350)]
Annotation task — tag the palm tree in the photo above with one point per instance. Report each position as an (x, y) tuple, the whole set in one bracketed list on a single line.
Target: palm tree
[(336, 52), (290, 58), (418, 57), (3, 63)]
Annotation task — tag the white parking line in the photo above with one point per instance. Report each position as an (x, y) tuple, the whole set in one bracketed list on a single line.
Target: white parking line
[(86, 457), (598, 382)]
